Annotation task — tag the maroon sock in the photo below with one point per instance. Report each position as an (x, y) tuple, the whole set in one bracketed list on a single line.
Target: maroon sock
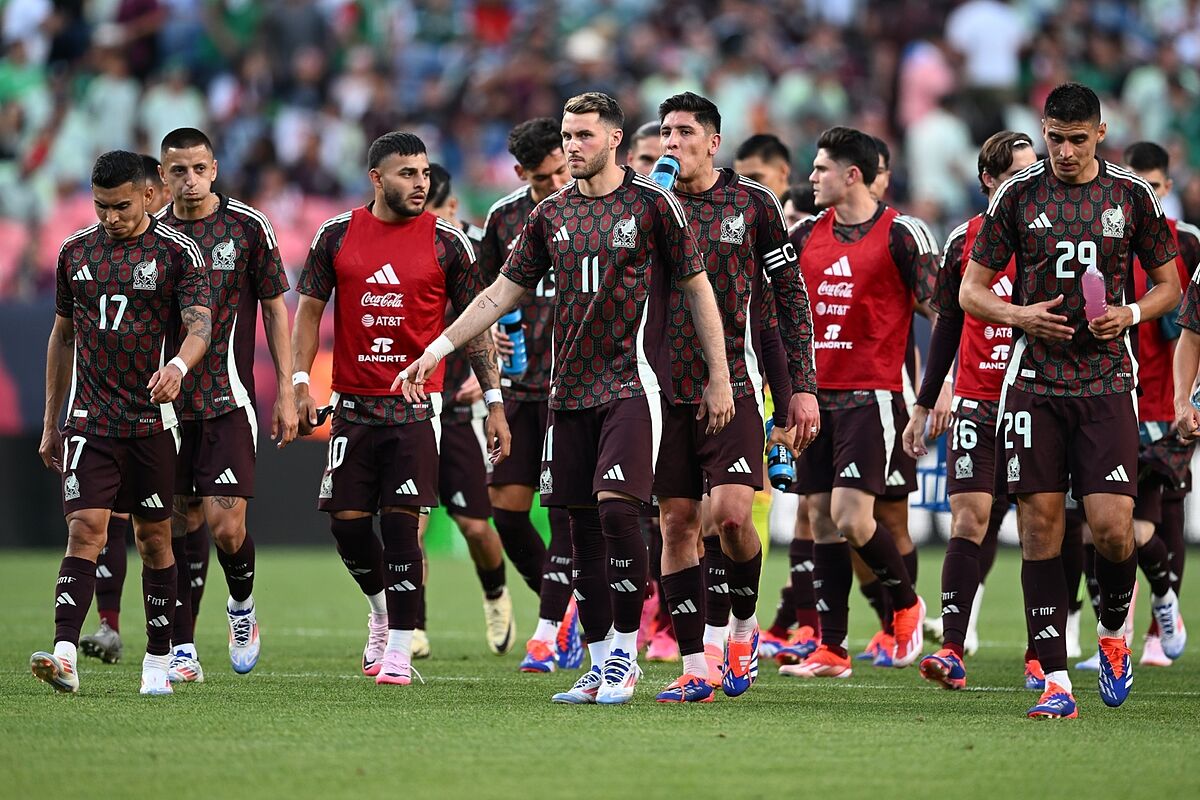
[(960, 581), (555, 594), (832, 575), (879, 553), (716, 582), (589, 574), (361, 552), (198, 552), (684, 591), (799, 558), (111, 567), (491, 580), (662, 616), (800, 554), (743, 585), (620, 520), (880, 602), (991, 539), (1045, 589), (785, 613), (183, 627), (1154, 561), (1089, 571), (1170, 530), (1116, 583), (1072, 557), (158, 596), (72, 597), (911, 564), (239, 569), (403, 569), (522, 544)]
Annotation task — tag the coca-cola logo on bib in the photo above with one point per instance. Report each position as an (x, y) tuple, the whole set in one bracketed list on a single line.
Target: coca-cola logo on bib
[(836, 289), (385, 300)]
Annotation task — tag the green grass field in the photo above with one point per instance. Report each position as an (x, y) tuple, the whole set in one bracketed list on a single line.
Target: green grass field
[(305, 723)]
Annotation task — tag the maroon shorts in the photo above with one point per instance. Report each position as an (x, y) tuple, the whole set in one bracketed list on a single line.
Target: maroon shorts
[(1089, 444), (1162, 453), (527, 423), (133, 476), (855, 448), (971, 447), (693, 462), (610, 448), (216, 456), (370, 467), (463, 469)]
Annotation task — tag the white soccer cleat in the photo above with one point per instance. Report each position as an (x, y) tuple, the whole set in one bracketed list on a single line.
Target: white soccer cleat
[(1091, 664), (185, 668), (1170, 624), (500, 622), (58, 671), (1073, 648), (420, 644), (971, 639), (244, 644), (933, 628), (621, 673), (583, 691), (155, 681)]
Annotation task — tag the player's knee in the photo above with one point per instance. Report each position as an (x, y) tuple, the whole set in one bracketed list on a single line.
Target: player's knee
[(970, 524), (474, 530), (86, 535)]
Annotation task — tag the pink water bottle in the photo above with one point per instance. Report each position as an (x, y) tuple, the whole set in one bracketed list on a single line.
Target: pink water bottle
[(1094, 302)]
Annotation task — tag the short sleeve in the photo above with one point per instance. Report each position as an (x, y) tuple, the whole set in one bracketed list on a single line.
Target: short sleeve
[(949, 278), (915, 253), (529, 259), (194, 287), (64, 298), (997, 240), (267, 275), (1189, 311), (318, 278), (1153, 243), (457, 256), (676, 237)]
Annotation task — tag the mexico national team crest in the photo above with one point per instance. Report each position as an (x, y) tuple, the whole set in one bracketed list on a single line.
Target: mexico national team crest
[(964, 468), (326, 486), (1113, 221), (546, 484), (223, 256), (71, 487), (1014, 469), (625, 234), (733, 229), (145, 275)]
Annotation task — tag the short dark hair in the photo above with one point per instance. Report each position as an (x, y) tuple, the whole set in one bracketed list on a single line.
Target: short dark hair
[(183, 138), (439, 186), (1147, 156), (598, 102), (395, 143), (117, 168), (885, 152), (1072, 102), (996, 155), (150, 166), (704, 110), (766, 146), (533, 140), (852, 148), (802, 197), (647, 131)]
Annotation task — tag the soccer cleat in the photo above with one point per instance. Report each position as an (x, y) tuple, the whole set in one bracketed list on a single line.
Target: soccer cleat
[(501, 625), (663, 646), (1129, 616), (1072, 635), (1116, 670), (58, 671), (714, 657), (420, 644), (621, 673), (539, 657), (971, 642), (104, 644), (569, 643), (822, 663), (1055, 703), (741, 666), (1090, 665), (185, 668), (377, 636), (686, 689), (769, 644), (933, 628), (884, 654), (946, 668), (1153, 655), (1035, 677), (872, 649), (909, 632), (244, 644), (1171, 632), (155, 681), (804, 641), (395, 669), (583, 691)]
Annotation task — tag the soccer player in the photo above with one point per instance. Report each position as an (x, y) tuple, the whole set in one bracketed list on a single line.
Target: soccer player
[(123, 287), (218, 421), (739, 225), (536, 145), (982, 350), (644, 149), (613, 239), (1072, 221), (798, 204), (868, 265), (394, 266)]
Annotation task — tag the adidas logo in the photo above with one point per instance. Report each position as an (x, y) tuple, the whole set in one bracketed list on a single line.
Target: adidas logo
[(408, 487), (625, 585), (719, 588), (822, 606), (103, 572), (1119, 475), (851, 471), (561, 235), (1041, 223), (802, 566), (895, 479), (557, 577), (1049, 632), (951, 609), (84, 274), (579, 598), (686, 607), (385, 275), (1003, 287), (159, 622), (839, 268), (64, 599), (615, 474), (152, 501), (743, 591), (227, 477), (741, 466), (458, 500), (403, 586)]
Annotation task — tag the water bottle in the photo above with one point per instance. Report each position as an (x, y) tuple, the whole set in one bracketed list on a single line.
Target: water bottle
[(1094, 302), (781, 468), (1196, 399), (514, 366), (665, 172)]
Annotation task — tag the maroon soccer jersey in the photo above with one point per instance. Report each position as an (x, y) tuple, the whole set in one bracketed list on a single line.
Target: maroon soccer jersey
[(244, 267), (739, 227), (458, 367), (1056, 231), (613, 258), (124, 299), (504, 222), (393, 283)]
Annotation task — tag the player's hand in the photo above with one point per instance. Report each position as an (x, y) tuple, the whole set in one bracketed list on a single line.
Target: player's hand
[(716, 405), (471, 391), (1112, 323), (1187, 422), (164, 384), (411, 381), (779, 436), (1040, 320), (804, 421), (306, 410), (499, 438), (914, 432), (940, 421), (51, 448), (284, 419), (504, 345)]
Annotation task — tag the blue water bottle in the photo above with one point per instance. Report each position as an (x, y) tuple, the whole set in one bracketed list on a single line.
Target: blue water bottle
[(514, 366), (781, 468), (665, 172)]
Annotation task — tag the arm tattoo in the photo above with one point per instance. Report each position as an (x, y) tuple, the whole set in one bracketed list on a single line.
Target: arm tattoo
[(481, 352), (485, 301), (198, 321)]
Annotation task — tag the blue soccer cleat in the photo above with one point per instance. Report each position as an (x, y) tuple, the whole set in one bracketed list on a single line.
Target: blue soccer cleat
[(945, 668), (741, 666), (569, 643), (1035, 677), (539, 657), (687, 689), (1116, 670), (1055, 703)]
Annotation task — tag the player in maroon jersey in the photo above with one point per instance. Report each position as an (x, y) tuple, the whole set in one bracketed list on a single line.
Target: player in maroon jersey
[(856, 243), (124, 285), (394, 266), (644, 148), (1069, 220), (613, 238)]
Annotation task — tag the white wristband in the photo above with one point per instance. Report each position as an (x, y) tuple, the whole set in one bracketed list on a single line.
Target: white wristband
[(179, 364), (1137, 313), (299, 378), (492, 396), (440, 347)]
